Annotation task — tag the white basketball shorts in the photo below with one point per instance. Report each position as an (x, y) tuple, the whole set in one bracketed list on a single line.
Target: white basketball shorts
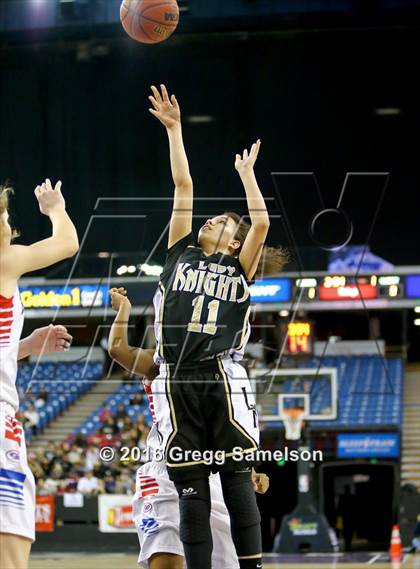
[(156, 515)]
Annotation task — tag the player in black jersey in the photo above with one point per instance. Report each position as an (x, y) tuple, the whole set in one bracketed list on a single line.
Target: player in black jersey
[(203, 400)]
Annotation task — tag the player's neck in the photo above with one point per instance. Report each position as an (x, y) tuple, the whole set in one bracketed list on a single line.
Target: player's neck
[(212, 250)]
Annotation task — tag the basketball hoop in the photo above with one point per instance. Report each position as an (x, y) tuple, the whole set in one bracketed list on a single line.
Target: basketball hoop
[(293, 419)]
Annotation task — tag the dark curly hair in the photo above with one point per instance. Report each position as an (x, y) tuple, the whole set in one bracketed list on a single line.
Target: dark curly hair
[(272, 260), (5, 192)]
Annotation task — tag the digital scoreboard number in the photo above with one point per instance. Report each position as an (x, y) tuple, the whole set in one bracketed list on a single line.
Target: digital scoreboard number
[(299, 338)]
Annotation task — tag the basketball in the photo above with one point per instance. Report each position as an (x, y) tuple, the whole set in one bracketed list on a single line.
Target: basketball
[(149, 21)]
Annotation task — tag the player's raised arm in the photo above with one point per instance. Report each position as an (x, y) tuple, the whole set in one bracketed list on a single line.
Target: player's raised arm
[(167, 111), (252, 248), (62, 244), (134, 360)]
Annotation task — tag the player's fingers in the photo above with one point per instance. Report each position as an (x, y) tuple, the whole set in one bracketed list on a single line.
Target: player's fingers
[(37, 191), (154, 102), (59, 327), (48, 184), (156, 94), (245, 154), (154, 113), (58, 187), (65, 337), (174, 101), (165, 93)]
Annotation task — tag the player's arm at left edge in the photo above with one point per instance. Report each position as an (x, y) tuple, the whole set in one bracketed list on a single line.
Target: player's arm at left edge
[(134, 360), (252, 248), (46, 340)]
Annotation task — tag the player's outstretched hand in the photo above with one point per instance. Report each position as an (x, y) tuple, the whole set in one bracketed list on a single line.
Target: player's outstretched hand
[(49, 340), (246, 162), (118, 296), (261, 482), (164, 108), (49, 198)]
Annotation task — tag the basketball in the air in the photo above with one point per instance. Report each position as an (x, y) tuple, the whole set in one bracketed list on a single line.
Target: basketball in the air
[(149, 21)]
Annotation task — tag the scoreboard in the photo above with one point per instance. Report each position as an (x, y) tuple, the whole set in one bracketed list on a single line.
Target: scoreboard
[(347, 288), (299, 337)]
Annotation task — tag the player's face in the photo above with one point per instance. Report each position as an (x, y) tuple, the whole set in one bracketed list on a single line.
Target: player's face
[(5, 229), (218, 233)]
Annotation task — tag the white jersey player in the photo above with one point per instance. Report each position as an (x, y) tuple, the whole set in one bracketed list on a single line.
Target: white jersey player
[(17, 488), (156, 502)]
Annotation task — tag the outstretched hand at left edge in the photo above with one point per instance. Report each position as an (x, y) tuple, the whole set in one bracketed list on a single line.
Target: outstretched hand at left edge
[(48, 340)]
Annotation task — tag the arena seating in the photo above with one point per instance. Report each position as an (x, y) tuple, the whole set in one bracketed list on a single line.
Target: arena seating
[(120, 396), (64, 383), (370, 390), (367, 395)]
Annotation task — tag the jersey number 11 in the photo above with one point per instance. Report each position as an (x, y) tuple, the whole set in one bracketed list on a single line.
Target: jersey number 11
[(210, 327)]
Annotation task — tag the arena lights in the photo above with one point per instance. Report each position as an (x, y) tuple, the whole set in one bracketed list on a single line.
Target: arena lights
[(306, 283), (151, 270), (199, 119), (122, 270), (417, 309), (417, 322), (284, 313), (387, 111), (389, 280), (393, 290), (131, 269)]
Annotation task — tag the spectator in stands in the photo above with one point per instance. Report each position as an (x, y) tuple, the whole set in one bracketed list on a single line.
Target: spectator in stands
[(109, 427), (141, 423), (91, 457), (42, 398), (41, 490), (31, 419), (120, 415), (89, 485), (109, 482), (80, 441), (53, 481), (125, 483), (75, 455), (70, 483), (136, 399), (105, 414), (127, 424)]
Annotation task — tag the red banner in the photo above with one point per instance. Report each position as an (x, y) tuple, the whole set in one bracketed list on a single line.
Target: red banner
[(44, 513), (348, 292)]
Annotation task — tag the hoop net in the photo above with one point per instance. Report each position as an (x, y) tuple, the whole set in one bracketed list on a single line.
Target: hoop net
[(293, 419)]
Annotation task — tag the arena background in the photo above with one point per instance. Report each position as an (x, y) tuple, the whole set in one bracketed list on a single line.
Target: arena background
[(332, 90)]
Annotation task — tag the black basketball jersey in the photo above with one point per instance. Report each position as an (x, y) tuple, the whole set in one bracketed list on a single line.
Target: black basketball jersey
[(202, 306)]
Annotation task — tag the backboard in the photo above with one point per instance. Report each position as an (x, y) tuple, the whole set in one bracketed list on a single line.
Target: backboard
[(310, 389)]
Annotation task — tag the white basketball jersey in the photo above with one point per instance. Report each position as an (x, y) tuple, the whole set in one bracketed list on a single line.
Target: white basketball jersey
[(11, 324), (154, 438)]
